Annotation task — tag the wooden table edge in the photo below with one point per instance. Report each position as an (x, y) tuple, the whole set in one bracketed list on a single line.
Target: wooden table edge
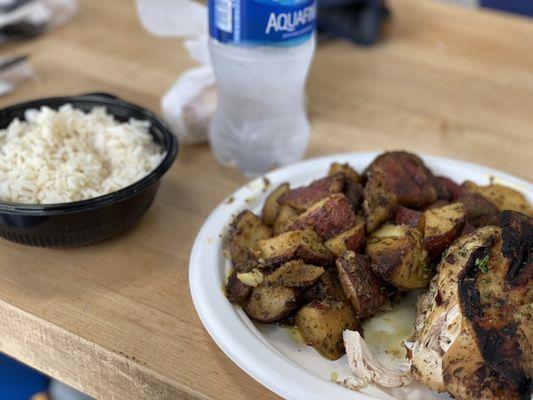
[(46, 346)]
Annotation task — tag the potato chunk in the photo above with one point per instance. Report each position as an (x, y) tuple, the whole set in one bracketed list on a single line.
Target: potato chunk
[(303, 197), (294, 273), (271, 303), (326, 287), (380, 202), (359, 283), (407, 177), (322, 323), (285, 217), (246, 229), (443, 225), (503, 197), (236, 291), (349, 172), (350, 239), (400, 260), (409, 217), (446, 188), (328, 217), (271, 207), (479, 211), (302, 244)]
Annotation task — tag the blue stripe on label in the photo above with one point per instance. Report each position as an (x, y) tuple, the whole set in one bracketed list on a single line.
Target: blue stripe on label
[(262, 22)]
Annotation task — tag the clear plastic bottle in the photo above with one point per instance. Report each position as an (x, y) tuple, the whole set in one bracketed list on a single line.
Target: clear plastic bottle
[(261, 58)]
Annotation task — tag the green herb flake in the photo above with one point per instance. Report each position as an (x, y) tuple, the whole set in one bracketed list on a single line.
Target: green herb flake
[(482, 264)]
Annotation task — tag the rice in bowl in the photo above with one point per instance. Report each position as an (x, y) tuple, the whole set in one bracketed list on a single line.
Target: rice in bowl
[(66, 155)]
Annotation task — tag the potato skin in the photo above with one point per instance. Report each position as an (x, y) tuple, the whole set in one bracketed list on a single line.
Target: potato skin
[(322, 323), (271, 207), (380, 202), (328, 217), (409, 217), (446, 188), (245, 230), (350, 239), (407, 177), (299, 244), (303, 197), (294, 273), (236, 291), (503, 197), (360, 285), (400, 260), (479, 211), (271, 303), (443, 225)]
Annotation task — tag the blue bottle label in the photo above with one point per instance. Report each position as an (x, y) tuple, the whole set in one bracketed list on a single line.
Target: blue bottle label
[(262, 22)]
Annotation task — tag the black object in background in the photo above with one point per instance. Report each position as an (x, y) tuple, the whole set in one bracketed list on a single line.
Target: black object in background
[(359, 21)]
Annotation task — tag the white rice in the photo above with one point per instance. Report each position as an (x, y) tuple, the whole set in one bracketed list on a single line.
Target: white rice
[(69, 155)]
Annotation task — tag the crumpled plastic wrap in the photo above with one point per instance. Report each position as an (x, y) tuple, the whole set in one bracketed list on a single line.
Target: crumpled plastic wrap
[(190, 103)]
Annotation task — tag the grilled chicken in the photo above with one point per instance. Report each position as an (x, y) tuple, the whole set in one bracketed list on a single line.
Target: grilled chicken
[(474, 328)]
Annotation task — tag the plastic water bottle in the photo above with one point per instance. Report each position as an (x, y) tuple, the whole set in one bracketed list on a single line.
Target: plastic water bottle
[(261, 51)]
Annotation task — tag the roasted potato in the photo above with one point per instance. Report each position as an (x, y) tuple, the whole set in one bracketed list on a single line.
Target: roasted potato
[(380, 202), (503, 197), (350, 239), (400, 259), (328, 217), (390, 230), (271, 207), (271, 303), (322, 323), (355, 194), (446, 188), (285, 217), (350, 173), (236, 291), (409, 217), (304, 197), (294, 273), (407, 177), (245, 230), (359, 284), (479, 211), (299, 244), (326, 287), (443, 225)]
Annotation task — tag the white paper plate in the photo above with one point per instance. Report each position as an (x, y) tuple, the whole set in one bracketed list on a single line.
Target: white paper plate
[(269, 353)]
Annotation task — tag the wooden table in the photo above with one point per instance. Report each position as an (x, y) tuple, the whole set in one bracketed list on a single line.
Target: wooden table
[(116, 320)]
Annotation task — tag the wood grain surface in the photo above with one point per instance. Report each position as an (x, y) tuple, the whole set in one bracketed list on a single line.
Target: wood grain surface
[(116, 319)]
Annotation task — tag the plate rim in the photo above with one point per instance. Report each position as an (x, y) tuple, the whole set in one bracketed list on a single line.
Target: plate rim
[(258, 364)]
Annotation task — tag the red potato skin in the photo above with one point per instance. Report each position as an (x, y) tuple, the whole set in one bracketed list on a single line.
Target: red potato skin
[(447, 189), (303, 197), (236, 291), (360, 285), (436, 245), (407, 176), (356, 241), (409, 217), (479, 211), (334, 217)]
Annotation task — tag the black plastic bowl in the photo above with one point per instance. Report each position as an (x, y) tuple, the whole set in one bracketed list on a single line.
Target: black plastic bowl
[(83, 222)]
